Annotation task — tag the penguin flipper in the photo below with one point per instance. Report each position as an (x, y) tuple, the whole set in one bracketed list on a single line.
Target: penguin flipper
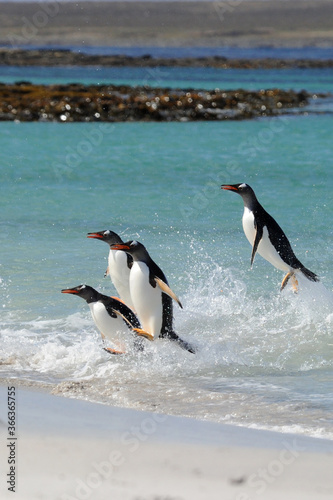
[(124, 318), (130, 319), (166, 289), (259, 233), (118, 307)]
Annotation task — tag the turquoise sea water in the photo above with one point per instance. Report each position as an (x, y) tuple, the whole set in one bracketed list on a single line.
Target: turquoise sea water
[(264, 357), (313, 80)]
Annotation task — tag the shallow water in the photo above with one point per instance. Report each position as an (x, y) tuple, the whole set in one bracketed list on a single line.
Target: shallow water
[(313, 80), (264, 357)]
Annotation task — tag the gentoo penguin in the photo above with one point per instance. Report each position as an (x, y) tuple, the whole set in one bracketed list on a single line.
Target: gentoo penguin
[(151, 295), (112, 317), (119, 265), (267, 237)]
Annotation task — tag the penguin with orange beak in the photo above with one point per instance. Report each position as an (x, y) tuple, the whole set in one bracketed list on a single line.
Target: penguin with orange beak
[(113, 318), (267, 238), (151, 294), (119, 264)]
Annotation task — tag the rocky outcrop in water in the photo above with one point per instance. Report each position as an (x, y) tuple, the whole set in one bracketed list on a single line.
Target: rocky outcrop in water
[(24, 101), (63, 57)]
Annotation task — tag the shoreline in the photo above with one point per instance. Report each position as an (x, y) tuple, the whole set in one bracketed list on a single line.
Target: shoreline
[(65, 57), (169, 23), (71, 448), (70, 390)]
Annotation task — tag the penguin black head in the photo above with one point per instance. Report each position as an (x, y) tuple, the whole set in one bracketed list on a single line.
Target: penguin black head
[(240, 188), (85, 291), (244, 190), (108, 236), (134, 248)]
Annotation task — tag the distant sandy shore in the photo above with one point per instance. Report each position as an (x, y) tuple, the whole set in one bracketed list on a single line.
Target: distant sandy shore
[(277, 23), (69, 449)]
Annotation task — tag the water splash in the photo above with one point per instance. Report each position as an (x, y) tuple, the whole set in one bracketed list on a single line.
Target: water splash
[(254, 353)]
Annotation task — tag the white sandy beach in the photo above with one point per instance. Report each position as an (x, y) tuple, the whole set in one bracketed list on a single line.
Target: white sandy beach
[(70, 449)]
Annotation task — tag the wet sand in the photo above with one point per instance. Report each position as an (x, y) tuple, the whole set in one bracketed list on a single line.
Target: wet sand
[(69, 449), (277, 23)]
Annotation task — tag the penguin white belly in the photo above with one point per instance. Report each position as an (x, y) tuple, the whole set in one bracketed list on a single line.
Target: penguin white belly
[(112, 328), (119, 274), (265, 247), (147, 300)]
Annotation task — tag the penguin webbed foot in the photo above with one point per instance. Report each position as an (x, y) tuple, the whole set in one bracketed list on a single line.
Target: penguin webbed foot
[(143, 333), (120, 348), (113, 351), (294, 282)]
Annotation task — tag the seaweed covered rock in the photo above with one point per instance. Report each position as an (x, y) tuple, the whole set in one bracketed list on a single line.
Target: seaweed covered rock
[(24, 101)]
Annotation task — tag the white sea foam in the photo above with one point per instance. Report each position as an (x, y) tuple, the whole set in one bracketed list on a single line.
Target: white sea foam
[(253, 355)]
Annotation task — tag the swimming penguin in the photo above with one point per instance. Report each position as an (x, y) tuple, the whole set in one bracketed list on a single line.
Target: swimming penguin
[(151, 295), (267, 237), (119, 265), (112, 317)]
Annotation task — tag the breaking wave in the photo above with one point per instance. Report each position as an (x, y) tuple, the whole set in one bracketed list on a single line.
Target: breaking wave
[(262, 360)]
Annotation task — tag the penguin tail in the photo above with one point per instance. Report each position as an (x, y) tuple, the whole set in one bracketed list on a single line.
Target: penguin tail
[(182, 343), (309, 274)]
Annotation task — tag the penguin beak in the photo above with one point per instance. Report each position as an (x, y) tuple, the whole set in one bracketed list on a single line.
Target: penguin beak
[(69, 290), (119, 246), (96, 235), (229, 187)]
